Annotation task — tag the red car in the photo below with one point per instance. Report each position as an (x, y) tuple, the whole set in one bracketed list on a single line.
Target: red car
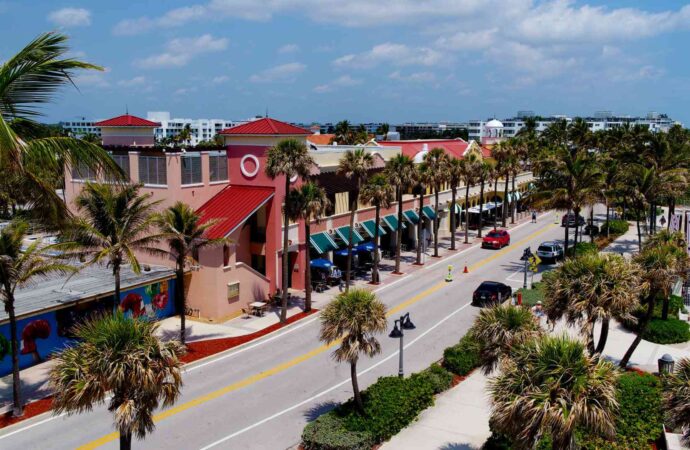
[(496, 239)]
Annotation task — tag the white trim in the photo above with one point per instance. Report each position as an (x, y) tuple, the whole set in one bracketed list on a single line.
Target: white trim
[(161, 186), (244, 171), (212, 183), (192, 185)]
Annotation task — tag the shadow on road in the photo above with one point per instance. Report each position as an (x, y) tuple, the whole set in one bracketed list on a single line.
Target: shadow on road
[(318, 409)]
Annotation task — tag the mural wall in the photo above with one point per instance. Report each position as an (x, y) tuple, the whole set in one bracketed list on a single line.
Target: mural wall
[(45, 333)]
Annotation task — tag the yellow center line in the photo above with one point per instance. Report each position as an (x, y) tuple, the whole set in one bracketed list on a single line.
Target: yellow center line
[(300, 359)]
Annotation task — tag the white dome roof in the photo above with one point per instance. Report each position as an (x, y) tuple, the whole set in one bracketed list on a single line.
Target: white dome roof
[(493, 123)]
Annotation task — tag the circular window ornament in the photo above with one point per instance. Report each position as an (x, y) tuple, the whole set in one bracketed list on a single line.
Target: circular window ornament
[(249, 173), (293, 179)]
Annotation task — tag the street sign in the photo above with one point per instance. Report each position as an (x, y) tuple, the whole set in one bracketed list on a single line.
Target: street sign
[(534, 261)]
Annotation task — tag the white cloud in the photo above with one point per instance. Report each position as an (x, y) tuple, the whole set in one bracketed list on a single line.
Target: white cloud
[(184, 91), (284, 72), (180, 51), (92, 79), (389, 53), (70, 17), (133, 82), (220, 79), (415, 77), (468, 40), (288, 48), (342, 81)]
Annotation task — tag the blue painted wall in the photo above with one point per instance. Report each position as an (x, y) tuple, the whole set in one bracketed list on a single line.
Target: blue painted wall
[(45, 333)]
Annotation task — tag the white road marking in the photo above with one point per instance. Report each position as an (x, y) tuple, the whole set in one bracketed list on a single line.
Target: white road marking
[(31, 426), (334, 387)]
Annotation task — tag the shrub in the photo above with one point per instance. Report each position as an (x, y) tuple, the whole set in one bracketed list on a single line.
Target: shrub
[(463, 357), (671, 331), (328, 432), (583, 248), (530, 297), (615, 226), (437, 377)]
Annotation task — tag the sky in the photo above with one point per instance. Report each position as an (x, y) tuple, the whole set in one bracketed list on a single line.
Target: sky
[(362, 60)]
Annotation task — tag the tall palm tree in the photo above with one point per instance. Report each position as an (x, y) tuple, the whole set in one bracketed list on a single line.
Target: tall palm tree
[(503, 153), (470, 165), (454, 177), (115, 222), (502, 328), (120, 362), (18, 267), (484, 174), (288, 158), (29, 80), (552, 385), (383, 130), (400, 171), (423, 177), (677, 398), (308, 202), (185, 233), (184, 135), (354, 319), (591, 288), (378, 192), (354, 165), (436, 162)]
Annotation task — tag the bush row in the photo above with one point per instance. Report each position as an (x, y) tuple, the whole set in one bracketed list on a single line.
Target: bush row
[(462, 357), (670, 331), (615, 226), (583, 248)]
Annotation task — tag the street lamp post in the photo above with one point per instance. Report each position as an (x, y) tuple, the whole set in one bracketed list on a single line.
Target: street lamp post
[(404, 323), (526, 255)]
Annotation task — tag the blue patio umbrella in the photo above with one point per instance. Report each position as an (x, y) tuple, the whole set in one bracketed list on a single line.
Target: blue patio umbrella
[(321, 263)]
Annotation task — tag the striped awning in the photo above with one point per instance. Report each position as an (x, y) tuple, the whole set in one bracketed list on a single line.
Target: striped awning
[(344, 234), (322, 242), (457, 209), (370, 226), (392, 222), (429, 212), (411, 216)]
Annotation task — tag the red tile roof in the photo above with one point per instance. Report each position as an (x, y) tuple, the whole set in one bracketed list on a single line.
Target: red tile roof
[(454, 147), (231, 207), (266, 126), (321, 139), (127, 120)]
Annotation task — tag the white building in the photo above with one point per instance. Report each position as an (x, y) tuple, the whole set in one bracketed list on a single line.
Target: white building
[(79, 128), (201, 129), (602, 120)]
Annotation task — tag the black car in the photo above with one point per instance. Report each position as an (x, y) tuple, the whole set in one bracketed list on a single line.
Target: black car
[(571, 220), (491, 293)]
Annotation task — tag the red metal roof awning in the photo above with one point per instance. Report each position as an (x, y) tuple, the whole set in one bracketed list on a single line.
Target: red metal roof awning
[(266, 127), (232, 206), (127, 120)]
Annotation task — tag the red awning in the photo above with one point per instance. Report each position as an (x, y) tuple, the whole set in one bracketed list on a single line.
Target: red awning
[(232, 206)]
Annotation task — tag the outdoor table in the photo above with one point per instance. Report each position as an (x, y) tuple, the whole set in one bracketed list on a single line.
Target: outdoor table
[(258, 308)]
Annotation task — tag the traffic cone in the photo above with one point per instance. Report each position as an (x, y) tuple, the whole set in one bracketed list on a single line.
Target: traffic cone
[(465, 270), (449, 276)]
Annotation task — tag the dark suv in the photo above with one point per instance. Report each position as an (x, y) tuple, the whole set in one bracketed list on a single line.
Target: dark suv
[(491, 293), (571, 220)]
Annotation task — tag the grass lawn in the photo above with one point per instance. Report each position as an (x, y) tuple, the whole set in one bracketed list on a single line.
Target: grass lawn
[(530, 297)]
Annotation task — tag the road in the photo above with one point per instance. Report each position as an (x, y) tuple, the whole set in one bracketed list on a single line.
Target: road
[(260, 396)]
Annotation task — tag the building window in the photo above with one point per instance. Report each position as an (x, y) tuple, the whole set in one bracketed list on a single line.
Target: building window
[(218, 162), (123, 162), (153, 170), (84, 172), (226, 256), (191, 169)]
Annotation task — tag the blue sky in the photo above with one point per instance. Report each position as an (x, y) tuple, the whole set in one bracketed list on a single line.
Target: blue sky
[(385, 60)]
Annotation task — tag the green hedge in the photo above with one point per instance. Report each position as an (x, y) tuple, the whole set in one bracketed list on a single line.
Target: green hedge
[(463, 357), (530, 297), (583, 248), (671, 331), (615, 226), (329, 432), (438, 377)]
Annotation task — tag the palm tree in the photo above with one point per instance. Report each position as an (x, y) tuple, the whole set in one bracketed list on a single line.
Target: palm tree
[(677, 398), (119, 361), (184, 135), (400, 171), (353, 319), (308, 202), (18, 267), (288, 158), (470, 166), (354, 165), (378, 192), (436, 162), (454, 176), (115, 223), (30, 79), (502, 328), (591, 288), (185, 234), (552, 386), (383, 130), (422, 178), (503, 154), (484, 174)]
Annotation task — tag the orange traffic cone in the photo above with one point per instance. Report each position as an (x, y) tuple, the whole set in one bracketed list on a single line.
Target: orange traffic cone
[(466, 270)]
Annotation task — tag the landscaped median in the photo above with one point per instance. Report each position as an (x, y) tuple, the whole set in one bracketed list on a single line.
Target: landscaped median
[(390, 404)]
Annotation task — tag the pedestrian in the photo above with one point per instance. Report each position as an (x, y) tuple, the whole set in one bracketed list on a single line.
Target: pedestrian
[(538, 310), (663, 221), (534, 216), (341, 284)]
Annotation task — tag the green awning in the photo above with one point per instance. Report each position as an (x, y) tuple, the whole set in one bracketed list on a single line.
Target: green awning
[(411, 216), (392, 222), (429, 212), (344, 233), (322, 242), (370, 226)]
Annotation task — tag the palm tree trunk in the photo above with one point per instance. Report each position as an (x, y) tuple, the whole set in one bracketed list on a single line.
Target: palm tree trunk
[(481, 207), (420, 235), (453, 225), (355, 387), (436, 225), (664, 308), (286, 224), (514, 204), (494, 200), (398, 234), (576, 213), (603, 336), (307, 265), (125, 440), (591, 221), (348, 274), (640, 330), (18, 408), (467, 213), (505, 201), (567, 233), (639, 231), (607, 218), (671, 212), (375, 267), (181, 300)]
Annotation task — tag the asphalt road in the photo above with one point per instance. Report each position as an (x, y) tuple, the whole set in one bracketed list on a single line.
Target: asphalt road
[(260, 396)]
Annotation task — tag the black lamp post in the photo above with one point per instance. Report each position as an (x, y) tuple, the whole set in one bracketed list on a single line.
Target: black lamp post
[(666, 364), (404, 324), (526, 255)]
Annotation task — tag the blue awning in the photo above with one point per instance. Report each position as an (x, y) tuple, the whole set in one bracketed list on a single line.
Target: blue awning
[(411, 216), (366, 247), (429, 212), (320, 263)]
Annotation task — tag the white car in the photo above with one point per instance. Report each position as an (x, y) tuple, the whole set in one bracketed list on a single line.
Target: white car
[(550, 251)]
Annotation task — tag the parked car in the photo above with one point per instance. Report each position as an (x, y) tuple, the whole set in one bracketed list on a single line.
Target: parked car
[(491, 293), (571, 220), (496, 239), (550, 251)]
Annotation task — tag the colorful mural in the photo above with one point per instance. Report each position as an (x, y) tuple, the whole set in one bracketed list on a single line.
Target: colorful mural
[(45, 333)]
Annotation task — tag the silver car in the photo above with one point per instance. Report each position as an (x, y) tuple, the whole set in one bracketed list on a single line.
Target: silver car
[(550, 251)]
